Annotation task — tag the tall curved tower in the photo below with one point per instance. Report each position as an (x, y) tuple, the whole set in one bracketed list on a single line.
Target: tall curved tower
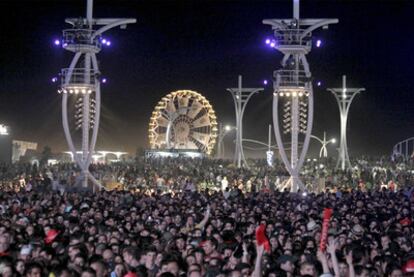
[(293, 83), (82, 80)]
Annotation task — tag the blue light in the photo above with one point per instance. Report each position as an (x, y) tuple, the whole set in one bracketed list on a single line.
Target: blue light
[(267, 41), (318, 43), (272, 44), (108, 43), (103, 80)]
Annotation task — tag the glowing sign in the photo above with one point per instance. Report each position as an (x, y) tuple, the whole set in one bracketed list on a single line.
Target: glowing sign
[(269, 158), (3, 130)]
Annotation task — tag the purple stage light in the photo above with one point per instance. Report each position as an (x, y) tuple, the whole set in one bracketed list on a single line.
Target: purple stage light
[(319, 83), (267, 41), (104, 41), (54, 80), (272, 44), (108, 43), (318, 43), (265, 82), (57, 42), (103, 80)]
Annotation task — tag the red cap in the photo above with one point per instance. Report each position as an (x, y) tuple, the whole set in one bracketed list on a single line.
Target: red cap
[(405, 221), (51, 235), (408, 267)]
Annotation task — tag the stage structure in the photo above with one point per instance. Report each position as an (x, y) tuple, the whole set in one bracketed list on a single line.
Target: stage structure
[(404, 149), (82, 81), (344, 97), (323, 153), (293, 38), (184, 120), (240, 97)]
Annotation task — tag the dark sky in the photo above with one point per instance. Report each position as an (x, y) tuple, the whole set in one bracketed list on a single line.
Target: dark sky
[(204, 45)]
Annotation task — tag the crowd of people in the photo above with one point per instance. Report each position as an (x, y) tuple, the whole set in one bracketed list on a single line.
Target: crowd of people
[(176, 218)]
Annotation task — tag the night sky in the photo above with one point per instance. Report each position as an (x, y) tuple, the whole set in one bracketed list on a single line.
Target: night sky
[(204, 46)]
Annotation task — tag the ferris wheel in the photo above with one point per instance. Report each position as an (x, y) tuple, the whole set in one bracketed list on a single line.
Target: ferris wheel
[(183, 119)]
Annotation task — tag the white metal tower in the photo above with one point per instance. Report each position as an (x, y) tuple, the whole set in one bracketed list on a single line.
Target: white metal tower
[(82, 79), (344, 97), (241, 96), (293, 38)]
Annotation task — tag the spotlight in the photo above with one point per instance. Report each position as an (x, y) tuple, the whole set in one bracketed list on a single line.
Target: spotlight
[(108, 43), (265, 82), (319, 83), (57, 42), (104, 41), (267, 41), (272, 44), (103, 80), (54, 80)]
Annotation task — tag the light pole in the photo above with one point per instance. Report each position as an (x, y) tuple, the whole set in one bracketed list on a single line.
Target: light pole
[(240, 97), (344, 97), (324, 151), (223, 131), (84, 81), (293, 37)]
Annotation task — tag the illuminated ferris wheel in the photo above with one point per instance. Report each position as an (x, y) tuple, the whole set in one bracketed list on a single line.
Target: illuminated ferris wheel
[(183, 119)]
